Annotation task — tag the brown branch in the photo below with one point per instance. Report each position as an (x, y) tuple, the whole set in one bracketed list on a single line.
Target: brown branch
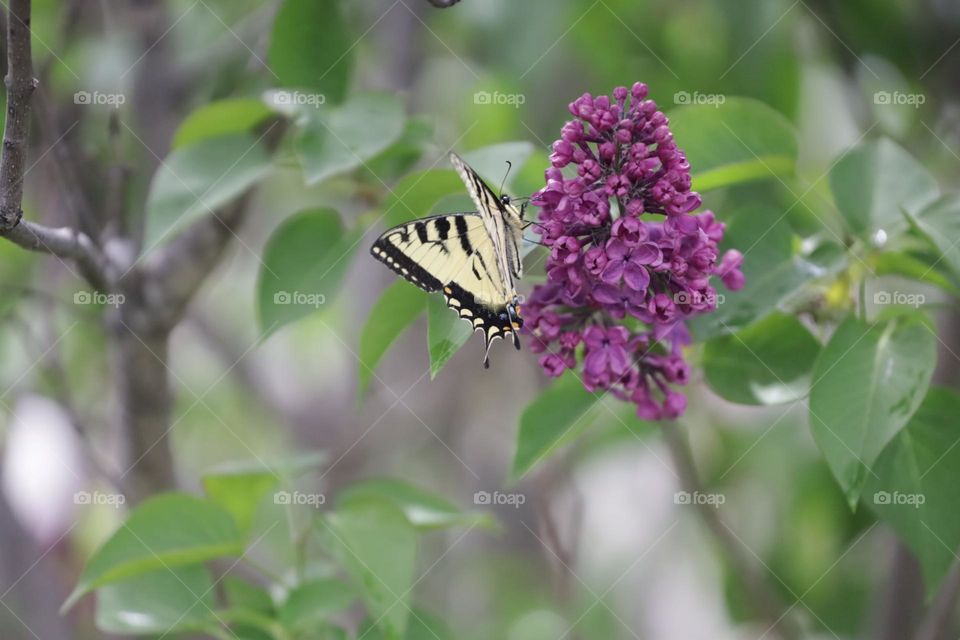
[(20, 86), (20, 83), (761, 593)]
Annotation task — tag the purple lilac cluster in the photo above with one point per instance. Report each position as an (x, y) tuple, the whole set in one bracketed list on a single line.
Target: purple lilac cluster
[(629, 261)]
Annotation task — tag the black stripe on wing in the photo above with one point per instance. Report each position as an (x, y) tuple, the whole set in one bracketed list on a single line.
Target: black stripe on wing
[(390, 255), (495, 321)]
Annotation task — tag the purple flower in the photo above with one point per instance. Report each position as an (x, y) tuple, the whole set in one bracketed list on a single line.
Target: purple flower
[(624, 243)]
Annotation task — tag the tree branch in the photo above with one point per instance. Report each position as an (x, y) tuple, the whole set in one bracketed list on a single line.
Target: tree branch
[(64, 242), (761, 594), (20, 86)]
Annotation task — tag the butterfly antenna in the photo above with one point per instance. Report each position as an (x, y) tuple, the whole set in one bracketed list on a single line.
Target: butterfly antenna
[(504, 181)]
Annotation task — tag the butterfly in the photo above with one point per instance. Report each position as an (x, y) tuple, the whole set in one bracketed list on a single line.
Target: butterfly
[(473, 258)]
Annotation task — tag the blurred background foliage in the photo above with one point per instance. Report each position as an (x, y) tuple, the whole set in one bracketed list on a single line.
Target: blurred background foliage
[(598, 548)]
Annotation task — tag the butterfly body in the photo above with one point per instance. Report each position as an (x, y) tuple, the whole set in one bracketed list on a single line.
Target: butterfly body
[(473, 258)]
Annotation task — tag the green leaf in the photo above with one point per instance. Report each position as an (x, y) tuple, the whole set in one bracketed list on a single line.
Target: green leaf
[(316, 601), (423, 626), (311, 47), (240, 492), (867, 383), (426, 626), (908, 266), (739, 141), (917, 487), (303, 265), (197, 180), (874, 181), (169, 530), (940, 222), (557, 416), (446, 333), (394, 312), (340, 139), (240, 594), (416, 195), (377, 546), (397, 159), (766, 363), (774, 268), (223, 117), (424, 510), (161, 601)]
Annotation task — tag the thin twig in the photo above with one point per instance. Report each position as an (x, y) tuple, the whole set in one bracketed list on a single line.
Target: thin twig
[(20, 86), (761, 593)]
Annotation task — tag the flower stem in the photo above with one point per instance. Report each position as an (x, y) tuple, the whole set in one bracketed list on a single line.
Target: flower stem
[(766, 606)]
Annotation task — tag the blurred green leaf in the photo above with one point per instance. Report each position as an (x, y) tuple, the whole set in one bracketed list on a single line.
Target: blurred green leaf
[(416, 195), (738, 141), (165, 600), (339, 139), (554, 418), (940, 222), (400, 156), (422, 626), (424, 510), (917, 485), (197, 180), (223, 117), (446, 333), (874, 181), (241, 594), (303, 265), (766, 363), (311, 47), (867, 383), (906, 265), (167, 531), (240, 493), (426, 626), (315, 601), (775, 271), (400, 304), (377, 546)]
